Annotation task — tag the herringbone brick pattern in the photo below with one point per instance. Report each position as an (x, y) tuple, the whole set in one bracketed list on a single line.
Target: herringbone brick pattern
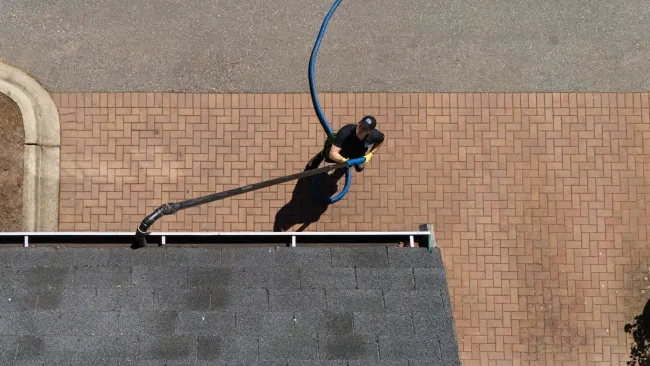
[(540, 201)]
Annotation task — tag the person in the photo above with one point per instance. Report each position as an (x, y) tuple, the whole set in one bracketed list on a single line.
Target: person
[(350, 142)]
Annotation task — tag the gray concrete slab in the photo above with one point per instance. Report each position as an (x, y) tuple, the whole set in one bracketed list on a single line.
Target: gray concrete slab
[(381, 45)]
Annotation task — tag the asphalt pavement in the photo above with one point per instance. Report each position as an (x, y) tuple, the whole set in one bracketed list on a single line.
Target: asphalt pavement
[(378, 45)]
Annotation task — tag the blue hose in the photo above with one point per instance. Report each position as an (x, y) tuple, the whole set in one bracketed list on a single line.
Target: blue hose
[(319, 112)]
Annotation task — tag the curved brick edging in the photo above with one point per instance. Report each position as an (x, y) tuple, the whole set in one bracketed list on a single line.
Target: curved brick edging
[(42, 148)]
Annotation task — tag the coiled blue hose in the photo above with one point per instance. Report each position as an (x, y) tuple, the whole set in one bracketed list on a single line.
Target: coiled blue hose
[(319, 112)]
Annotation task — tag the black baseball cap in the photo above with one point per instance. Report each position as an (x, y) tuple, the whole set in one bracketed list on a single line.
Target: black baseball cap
[(368, 122)]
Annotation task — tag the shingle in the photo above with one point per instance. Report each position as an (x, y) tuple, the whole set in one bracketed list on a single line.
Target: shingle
[(41, 323), (231, 348), (256, 363), (110, 346), (148, 322), (159, 276), (433, 323), (79, 257), (174, 298), (412, 301), (192, 257), (385, 278), (393, 347), (249, 257), (215, 277), (44, 277), (27, 257), (432, 362), (253, 323), (166, 347), (303, 257), (414, 257), (264, 277), (442, 327), (383, 324), (75, 299), (296, 300), (10, 278), (347, 347), (58, 257), (232, 298), (355, 300), (287, 346), (239, 363), (449, 349), (17, 323), (206, 323), (92, 347), (359, 257), (130, 298), (328, 278), (31, 348), (8, 357), (106, 276), (318, 363), (378, 363), (150, 256), (431, 279), (142, 362), (17, 299), (8, 347), (323, 322)]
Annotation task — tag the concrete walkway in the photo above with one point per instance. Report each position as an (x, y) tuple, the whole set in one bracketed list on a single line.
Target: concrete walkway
[(264, 46), (539, 201)]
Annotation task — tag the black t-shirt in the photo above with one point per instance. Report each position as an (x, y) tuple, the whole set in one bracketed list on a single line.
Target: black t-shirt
[(351, 146)]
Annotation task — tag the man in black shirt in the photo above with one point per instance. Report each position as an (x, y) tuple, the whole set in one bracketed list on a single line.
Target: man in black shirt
[(350, 142)]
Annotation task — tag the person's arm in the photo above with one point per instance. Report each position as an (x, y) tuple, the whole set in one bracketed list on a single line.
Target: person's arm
[(335, 154), (337, 144), (375, 147)]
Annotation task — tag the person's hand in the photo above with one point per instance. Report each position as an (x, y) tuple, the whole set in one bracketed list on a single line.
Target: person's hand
[(368, 157), (344, 160)]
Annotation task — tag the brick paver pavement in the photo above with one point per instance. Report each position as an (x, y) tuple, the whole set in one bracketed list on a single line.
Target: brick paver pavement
[(540, 201)]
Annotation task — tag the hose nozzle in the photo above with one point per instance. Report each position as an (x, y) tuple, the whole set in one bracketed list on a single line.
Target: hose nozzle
[(140, 234)]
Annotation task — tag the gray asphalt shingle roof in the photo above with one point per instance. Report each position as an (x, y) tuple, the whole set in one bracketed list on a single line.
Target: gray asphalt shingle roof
[(259, 306)]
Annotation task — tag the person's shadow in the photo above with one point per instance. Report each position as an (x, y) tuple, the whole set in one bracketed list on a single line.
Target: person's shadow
[(640, 330), (304, 207)]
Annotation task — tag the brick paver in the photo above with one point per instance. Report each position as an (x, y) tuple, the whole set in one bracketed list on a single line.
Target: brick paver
[(540, 201)]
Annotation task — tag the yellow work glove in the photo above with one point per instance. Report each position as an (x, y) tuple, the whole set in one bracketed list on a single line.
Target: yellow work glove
[(344, 160), (368, 157)]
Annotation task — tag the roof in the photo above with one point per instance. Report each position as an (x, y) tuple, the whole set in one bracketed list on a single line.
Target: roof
[(271, 306)]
